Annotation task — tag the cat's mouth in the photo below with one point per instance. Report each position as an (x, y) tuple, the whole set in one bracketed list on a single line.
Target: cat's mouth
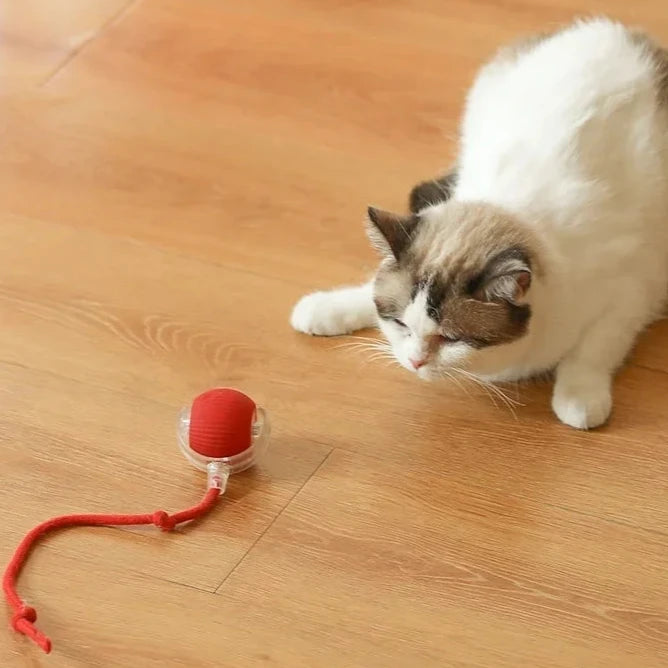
[(425, 372)]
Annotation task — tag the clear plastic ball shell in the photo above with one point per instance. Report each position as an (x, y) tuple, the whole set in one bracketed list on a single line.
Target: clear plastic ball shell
[(260, 433)]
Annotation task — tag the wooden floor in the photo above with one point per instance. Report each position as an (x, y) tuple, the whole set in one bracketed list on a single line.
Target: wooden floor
[(173, 175)]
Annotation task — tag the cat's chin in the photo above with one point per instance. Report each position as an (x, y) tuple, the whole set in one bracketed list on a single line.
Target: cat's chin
[(426, 373)]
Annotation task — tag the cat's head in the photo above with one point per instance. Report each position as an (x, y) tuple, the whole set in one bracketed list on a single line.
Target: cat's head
[(454, 287)]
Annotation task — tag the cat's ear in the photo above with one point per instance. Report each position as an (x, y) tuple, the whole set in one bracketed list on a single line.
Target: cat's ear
[(507, 277), (432, 192), (390, 233)]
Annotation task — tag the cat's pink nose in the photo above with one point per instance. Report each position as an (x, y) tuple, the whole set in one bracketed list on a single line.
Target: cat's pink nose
[(417, 363)]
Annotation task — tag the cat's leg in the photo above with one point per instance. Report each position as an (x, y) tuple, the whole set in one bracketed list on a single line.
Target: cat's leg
[(582, 395), (335, 312)]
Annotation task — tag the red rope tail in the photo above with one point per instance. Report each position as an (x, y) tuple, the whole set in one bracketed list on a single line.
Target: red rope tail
[(23, 616)]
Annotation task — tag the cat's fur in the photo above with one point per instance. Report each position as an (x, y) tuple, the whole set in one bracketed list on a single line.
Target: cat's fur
[(546, 247)]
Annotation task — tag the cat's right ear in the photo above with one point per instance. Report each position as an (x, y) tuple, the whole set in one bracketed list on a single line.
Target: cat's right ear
[(390, 233)]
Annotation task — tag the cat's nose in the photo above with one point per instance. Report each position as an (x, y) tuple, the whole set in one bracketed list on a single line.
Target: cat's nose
[(417, 363)]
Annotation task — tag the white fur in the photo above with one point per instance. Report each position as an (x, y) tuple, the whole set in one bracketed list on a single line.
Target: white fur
[(569, 138), (418, 340), (587, 166), (335, 312)]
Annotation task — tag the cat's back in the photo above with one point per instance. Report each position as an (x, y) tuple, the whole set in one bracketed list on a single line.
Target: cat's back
[(583, 63), (558, 112)]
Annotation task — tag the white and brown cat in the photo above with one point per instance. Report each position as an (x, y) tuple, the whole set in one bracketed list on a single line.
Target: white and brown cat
[(546, 247)]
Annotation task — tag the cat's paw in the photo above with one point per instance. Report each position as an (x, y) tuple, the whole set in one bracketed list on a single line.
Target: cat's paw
[(323, 314), (581, 399)]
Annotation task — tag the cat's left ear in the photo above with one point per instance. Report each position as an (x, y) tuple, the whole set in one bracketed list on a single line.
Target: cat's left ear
[(507, 277), (391, 233)]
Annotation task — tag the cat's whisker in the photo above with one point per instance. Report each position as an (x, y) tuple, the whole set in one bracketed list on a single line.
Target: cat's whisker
[(505, 399), (359, 342), (458, 382), (511, 400), (488, 386), (366, 339), (381, 356), (516, 387), (487, 383), (359, 346), (500, 393), (492, 391), (479, 383), (353, 346)]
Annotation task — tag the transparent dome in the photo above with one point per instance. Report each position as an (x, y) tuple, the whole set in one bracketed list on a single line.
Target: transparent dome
[(260, 432)]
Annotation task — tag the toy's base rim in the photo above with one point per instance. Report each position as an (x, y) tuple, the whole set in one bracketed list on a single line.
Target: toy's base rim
[(234, 463)]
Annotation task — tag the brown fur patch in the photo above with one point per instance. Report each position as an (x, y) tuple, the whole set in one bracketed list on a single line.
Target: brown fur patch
[(455, 250), (482, 324), (390, 233), (462, 237), (393, 289), (469, 310), (662, 74), (659, 56)]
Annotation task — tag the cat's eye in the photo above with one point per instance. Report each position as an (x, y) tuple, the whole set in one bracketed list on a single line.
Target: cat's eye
[(401, 323)]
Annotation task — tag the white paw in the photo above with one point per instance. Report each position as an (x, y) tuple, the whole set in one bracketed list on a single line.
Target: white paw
[(323, 314), (582, 400)]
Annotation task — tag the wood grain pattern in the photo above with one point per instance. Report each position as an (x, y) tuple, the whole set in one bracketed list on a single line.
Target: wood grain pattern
[(407, 567), (166, 193), (380, 564)]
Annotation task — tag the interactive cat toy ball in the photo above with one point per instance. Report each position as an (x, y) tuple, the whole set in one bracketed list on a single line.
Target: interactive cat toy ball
[(223, 432)]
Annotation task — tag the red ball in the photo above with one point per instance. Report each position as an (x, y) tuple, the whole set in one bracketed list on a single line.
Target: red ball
[(221, 422)]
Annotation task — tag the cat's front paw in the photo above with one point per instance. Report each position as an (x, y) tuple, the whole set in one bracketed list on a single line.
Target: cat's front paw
[(322, 314), (581, 399)]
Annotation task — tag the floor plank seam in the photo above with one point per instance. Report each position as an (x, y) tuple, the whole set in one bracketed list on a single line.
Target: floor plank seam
[(178, 583), (278, 515), (111, 21), (646, 367)]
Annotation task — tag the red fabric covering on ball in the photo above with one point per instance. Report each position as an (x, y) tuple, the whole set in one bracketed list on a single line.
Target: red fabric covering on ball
[(221, 422)]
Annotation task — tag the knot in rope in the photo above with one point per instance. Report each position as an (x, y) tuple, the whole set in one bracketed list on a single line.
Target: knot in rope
[(163, 521)]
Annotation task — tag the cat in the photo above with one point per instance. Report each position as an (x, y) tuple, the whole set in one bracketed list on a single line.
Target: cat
[(545, 248)]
